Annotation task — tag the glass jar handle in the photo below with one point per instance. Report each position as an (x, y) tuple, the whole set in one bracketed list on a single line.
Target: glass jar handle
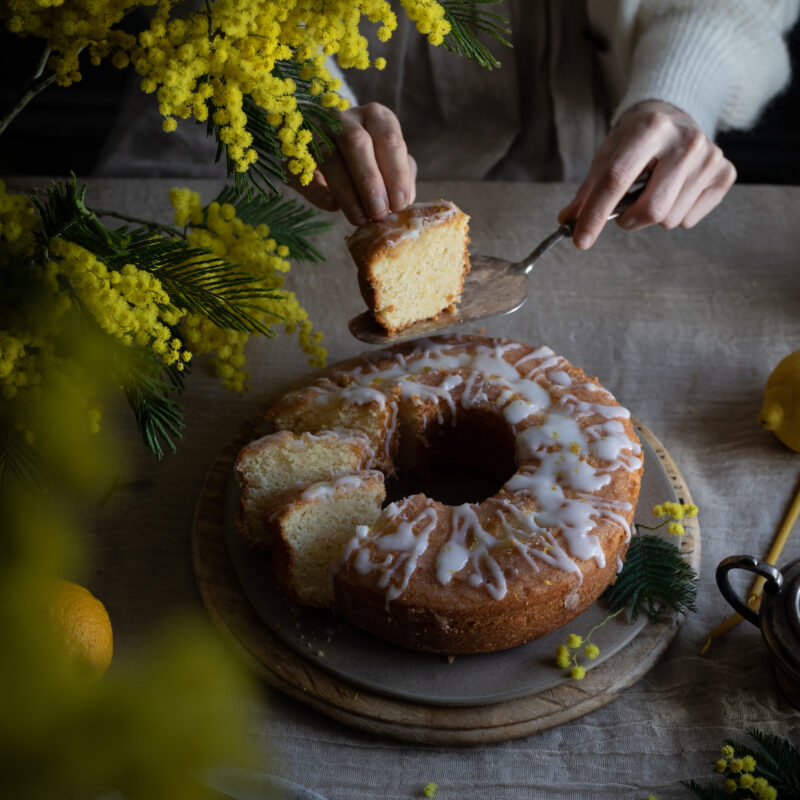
[(772, 575)]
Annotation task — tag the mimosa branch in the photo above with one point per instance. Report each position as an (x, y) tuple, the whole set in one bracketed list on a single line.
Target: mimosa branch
[(37, 82)]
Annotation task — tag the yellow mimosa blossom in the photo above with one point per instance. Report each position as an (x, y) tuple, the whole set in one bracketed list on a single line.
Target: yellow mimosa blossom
[(675, 511), (127, 303), (563, 658), (748, 764), (429, 17), (70, 27), (577, 673), (762, 789), (18, 224), (675, 529), (218, 229), (209, 63)]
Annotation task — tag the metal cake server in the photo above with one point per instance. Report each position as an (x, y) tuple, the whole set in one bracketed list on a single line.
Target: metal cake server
[(493, 287)]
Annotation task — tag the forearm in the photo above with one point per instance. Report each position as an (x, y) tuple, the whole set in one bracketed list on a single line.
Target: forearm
[(720, 61)]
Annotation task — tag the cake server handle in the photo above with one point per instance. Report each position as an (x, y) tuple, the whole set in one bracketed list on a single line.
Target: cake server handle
[(566, 230)]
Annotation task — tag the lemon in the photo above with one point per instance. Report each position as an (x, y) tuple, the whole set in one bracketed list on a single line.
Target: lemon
[(780, 412), (82, 626)]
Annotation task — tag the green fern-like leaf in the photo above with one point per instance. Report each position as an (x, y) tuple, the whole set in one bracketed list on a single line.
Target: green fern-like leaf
[(290, 222), (705, 792), (64, 214), (203, 283), (778, 760), (267, 171), (655, 574), (20, 461), (193, 277), (465, 19), (159, 417)]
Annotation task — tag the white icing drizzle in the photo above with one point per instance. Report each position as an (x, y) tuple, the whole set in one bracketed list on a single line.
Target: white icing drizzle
[(403, 545), (564, 463), (471, 544), (412, 389), (324, 491), (403, 226)]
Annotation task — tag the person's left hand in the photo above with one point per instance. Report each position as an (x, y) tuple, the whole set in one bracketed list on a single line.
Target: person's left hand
[(689, 174)]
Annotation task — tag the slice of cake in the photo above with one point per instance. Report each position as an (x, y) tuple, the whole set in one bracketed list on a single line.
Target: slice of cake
[(310, 526), (269, 466), (412, 264), (327, 406)]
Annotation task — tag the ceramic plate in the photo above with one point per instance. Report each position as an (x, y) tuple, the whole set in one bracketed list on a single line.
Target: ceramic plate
[(365, 661)]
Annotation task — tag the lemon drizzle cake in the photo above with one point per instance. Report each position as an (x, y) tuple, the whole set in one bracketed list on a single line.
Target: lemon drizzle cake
[(488, 575)]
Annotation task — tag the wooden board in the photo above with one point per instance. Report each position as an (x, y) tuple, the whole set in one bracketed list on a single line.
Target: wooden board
[(286, 670)]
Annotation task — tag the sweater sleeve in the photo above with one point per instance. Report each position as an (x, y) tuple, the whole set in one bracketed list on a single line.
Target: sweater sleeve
[(720, 61)]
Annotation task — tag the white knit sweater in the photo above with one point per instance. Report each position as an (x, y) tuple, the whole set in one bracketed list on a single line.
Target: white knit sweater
[(720, 61)]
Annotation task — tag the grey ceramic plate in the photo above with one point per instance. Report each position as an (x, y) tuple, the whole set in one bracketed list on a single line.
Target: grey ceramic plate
[(364, 661)]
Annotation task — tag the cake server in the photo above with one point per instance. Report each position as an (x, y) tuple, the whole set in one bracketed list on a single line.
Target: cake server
[(493, 287)]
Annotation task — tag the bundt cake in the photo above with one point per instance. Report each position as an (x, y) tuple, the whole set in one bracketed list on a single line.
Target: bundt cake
[(485, 576), (412, 264)]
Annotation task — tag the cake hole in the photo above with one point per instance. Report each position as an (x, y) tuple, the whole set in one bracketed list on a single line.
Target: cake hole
[(455, 464), (452, 484)]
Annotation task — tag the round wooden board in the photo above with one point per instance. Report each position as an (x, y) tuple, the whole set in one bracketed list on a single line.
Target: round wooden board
[(286, 670)]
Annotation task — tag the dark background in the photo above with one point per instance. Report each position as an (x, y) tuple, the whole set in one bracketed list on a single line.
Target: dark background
[(64, 128)]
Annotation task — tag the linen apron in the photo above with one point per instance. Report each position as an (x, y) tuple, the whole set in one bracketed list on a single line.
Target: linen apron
[(540, 117)]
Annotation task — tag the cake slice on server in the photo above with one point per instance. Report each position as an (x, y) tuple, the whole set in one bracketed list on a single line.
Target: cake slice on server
[(412, 264)]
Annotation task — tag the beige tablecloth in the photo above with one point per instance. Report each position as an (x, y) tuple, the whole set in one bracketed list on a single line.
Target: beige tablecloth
[(684, 328)]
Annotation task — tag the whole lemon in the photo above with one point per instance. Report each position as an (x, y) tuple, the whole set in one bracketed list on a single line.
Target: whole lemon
[(81, 624), (780, 412)]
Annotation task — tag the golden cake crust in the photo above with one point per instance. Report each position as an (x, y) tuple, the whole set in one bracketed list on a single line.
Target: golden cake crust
[(460, 618)]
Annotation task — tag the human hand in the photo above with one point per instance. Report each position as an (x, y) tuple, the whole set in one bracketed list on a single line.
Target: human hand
[(689, 174), (369, 172)]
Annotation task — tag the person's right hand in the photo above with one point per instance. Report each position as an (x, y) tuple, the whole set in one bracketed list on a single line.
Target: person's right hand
[(689, 174), (369, 173)]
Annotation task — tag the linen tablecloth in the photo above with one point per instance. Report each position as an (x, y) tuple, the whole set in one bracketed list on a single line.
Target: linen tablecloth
[(683, 327)]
